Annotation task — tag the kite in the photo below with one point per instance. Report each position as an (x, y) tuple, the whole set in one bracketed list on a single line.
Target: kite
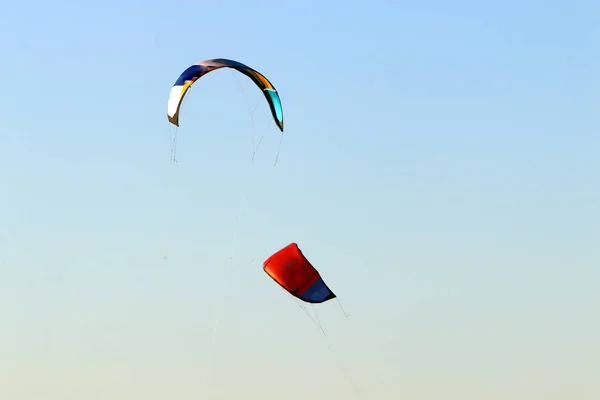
[(196, 71), (293, 272)]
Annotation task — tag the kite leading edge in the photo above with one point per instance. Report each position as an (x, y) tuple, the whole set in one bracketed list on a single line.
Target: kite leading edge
[(196, 71)]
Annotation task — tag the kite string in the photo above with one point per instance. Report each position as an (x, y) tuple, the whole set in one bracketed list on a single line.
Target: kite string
[(225, 286), (174, 147), (264, 132), (342, 307), (173, 142), (173, 136), (259, 142), (336, 354), (251, 113), (278, 150), (168, 218)]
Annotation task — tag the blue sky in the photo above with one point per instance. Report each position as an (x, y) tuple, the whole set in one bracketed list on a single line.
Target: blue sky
[(439, 167)]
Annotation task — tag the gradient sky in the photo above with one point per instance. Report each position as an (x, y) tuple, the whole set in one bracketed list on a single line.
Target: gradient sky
[(440, 167)]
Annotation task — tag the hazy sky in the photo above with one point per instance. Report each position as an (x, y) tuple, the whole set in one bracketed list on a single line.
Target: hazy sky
[(440, 166)]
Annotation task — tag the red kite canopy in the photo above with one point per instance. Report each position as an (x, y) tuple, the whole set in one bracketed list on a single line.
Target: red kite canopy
[(292, 271)]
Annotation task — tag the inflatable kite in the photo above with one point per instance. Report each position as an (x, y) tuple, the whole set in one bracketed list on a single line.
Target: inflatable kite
[(293, 272), (196, 71)]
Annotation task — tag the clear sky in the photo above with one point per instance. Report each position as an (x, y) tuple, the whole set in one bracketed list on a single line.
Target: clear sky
[(440, 167)]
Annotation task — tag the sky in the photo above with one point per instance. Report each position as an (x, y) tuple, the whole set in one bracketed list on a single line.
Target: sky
[(439, 167)]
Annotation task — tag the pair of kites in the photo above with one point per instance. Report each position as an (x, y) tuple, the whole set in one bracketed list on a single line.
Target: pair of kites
[(288, 267)]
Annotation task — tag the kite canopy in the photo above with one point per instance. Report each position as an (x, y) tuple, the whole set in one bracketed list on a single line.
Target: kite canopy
[(196, 71), (292, 271)]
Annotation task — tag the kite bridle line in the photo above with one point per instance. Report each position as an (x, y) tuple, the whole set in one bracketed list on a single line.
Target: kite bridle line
[(173, 160), (336, 355), (315, 319), (255, 147), (168, 218)]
